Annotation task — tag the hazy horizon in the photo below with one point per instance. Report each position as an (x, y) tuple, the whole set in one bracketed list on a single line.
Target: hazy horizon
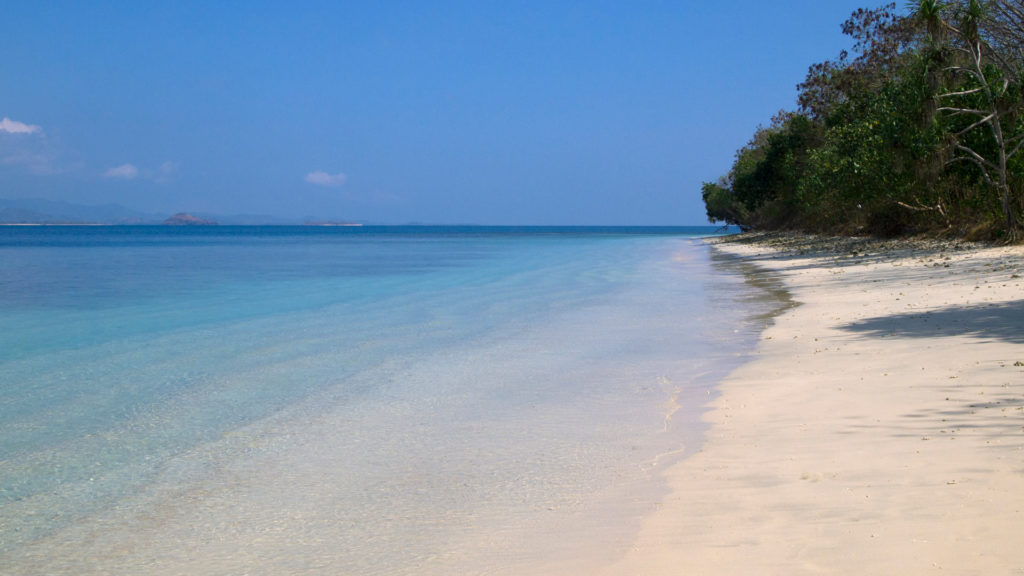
[(528, 113)]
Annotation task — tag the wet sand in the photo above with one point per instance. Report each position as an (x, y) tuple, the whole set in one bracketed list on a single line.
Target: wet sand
[(879, 428)]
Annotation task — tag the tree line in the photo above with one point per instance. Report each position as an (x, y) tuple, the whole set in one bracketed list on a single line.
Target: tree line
[(918, 129)]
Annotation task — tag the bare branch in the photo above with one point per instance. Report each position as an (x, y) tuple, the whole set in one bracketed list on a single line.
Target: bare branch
[(1015, 149), (976, 124), (922, 208), (1004, 35), (977, 157), (977, 75), (978, 160), (959, 69), (964, 93), (959, 111), (984, 172)]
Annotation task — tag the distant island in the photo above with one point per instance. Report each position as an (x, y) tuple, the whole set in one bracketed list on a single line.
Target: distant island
[(184, 219), (331, 223), (39, 211), (54, 212)]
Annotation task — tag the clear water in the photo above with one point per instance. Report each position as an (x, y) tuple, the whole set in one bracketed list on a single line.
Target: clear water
[(349, 400)]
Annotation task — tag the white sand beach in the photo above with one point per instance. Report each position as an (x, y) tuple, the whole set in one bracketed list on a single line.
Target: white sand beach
[(878, 430)]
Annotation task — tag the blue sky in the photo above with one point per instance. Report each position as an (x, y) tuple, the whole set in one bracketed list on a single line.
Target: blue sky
[(394, 112)]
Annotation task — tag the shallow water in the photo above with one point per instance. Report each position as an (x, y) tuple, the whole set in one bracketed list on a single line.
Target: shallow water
[(352, 401)]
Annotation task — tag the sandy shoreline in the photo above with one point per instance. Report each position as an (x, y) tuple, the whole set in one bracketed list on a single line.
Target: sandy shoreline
[(879, 428)]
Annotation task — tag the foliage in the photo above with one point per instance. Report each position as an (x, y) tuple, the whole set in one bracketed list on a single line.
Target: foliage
[(918, 130), (880, 38), (721, 207)]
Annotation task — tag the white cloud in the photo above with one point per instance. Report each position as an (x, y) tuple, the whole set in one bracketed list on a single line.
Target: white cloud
[(26, 145), (122, 172), (321, 178), (165, 173), (15, 127), (160, 175), (35, 162)]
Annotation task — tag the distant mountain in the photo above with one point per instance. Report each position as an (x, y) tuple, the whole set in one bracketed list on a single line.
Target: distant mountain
[(248, 219), (16, 215), (183, 219), (39, 211)]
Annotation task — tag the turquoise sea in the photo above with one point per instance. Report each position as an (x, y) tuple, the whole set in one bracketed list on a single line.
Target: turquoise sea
[(351, 400)]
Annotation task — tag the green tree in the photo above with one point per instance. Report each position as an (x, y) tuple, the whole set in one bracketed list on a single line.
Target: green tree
[(722, 206), (990, 100), (909, 131), (867, 171)]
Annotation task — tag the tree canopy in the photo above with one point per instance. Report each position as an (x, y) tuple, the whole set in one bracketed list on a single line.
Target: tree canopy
[(919, 129)]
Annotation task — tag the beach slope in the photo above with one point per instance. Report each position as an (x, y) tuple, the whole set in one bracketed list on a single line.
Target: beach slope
[(879, 428)]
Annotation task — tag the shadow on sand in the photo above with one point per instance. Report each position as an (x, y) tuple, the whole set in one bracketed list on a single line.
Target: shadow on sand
[(1003, 321)]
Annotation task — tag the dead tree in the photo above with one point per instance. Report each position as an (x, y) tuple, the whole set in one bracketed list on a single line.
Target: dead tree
[(990, 108)]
